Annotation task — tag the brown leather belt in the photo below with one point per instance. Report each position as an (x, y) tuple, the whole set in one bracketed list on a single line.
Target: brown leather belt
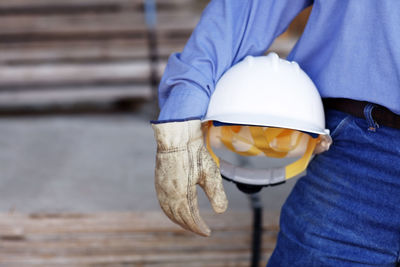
[(380, 114)]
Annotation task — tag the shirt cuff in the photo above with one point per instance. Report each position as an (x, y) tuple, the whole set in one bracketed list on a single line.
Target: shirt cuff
[(184, 104)]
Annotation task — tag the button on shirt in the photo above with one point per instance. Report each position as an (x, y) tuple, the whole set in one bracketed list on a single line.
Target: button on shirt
[(349, 49)]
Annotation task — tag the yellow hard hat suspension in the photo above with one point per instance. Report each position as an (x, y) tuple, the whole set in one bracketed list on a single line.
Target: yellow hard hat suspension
[(273, 142)]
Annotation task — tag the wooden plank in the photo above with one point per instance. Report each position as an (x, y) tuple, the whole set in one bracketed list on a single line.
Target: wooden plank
[(135, 239), (72, 96), (53, 75), (123, 22), (84, 51), (46, 7), (35, 3), (131, 222), (137, 260), (75, 245)]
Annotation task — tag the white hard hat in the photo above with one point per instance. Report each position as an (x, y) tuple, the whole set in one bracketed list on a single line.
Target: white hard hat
[(269, 93)]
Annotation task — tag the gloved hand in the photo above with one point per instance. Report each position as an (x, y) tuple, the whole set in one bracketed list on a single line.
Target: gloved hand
[(323, 144), (182, 162)]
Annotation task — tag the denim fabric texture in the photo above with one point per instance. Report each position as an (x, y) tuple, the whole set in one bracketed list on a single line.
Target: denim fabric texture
[(346, 210)]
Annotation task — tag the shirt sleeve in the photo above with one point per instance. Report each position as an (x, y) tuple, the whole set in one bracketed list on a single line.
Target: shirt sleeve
[(228, 31)]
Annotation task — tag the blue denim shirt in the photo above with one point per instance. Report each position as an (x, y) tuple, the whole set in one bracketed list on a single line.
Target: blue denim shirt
[(349, 49)]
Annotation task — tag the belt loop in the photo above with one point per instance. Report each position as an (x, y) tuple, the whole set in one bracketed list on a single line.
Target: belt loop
[(372, 124)]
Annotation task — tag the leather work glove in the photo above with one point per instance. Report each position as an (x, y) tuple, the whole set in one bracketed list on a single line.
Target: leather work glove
[(182, 162), (323, 144)]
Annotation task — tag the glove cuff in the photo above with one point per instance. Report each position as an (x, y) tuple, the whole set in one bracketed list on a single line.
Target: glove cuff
[(175, 135)]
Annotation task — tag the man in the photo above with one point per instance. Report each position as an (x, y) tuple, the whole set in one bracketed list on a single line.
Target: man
[(346, 210)]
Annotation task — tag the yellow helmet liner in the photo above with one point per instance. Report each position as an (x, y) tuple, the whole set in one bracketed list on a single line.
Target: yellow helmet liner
[(267, 141)]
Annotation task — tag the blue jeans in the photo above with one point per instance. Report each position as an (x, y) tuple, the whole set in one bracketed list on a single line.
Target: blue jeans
[(346, 210)]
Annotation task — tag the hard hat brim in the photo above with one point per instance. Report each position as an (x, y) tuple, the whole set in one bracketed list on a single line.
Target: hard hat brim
[(271, 121)]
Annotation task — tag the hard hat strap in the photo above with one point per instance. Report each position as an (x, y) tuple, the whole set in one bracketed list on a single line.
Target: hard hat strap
[(300, 165)]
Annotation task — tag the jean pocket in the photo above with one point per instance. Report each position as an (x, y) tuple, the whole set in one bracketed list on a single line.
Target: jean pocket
[(337, 122)]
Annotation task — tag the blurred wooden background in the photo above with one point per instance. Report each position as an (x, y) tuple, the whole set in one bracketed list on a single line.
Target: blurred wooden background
[(76, 51), (55, 53)]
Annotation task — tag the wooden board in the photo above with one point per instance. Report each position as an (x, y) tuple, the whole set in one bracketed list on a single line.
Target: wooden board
[(76, 25), (48, 4), (134, 239), (82, 51), (76, 96), (59, 75)]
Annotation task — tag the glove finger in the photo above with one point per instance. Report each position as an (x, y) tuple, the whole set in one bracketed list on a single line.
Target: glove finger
[(165, 205), (189, 213), (182, 208), (323, 144), (211, 182)]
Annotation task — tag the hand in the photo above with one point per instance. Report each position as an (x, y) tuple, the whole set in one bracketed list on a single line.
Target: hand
[(323, 144), (182, 162)]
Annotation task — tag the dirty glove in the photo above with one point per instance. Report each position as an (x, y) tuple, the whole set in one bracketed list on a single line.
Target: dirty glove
[(182, 162), (323, 144)]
